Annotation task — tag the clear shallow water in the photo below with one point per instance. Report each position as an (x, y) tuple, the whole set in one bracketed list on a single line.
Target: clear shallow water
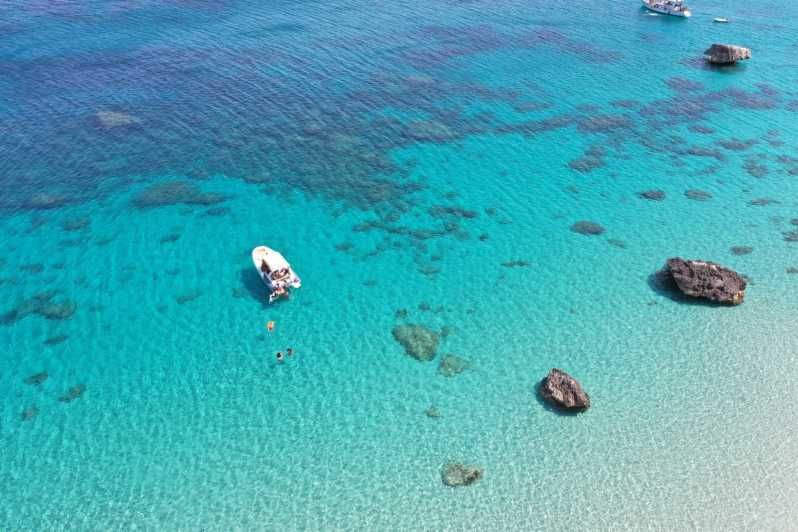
[(335, 133)]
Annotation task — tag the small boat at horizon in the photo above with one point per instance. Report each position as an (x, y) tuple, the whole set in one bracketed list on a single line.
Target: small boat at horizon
[(675, 8), (275, 272), (720, 20)]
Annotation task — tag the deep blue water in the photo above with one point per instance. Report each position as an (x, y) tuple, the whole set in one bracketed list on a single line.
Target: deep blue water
[(417, 163)]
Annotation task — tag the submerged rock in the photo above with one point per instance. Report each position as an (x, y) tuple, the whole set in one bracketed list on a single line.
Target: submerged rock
[(29, 413), (564, 391), (456, 475), (37, 379), (726, 54), (706, 280), (741, 250), (57, 339), (76, 224), (698, 195), (418, 341), (452, 365), (654, 195), (585, 227), (173, 193), (116, 119), (432, 411), (42, 305), (58, 311), (73, 393)]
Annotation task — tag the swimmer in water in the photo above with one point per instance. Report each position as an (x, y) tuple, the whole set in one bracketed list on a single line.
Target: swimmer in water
[(279, 356), (289, 351)]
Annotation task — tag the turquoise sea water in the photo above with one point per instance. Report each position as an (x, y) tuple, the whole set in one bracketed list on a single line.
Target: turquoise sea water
[(417, 163)]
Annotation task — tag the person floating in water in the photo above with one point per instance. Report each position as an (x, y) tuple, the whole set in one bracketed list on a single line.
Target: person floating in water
[(289, 351), (279, 356)]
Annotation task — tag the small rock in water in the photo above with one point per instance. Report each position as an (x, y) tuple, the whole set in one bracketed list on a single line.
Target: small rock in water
[(58, 311), (37, 378), (456, 475), (741, 250), (57, 339), (452, 365), (37, 267), (617, 243), (418, 341), (791, 236), (432, 412), (564, 391), (792, 270), (516, 263), (73, 393), (401, 314), (171, 237), (187, 297), (654, 195), (75, 224), (707, 280), (29, 413), (761, 202), (698, 195), (588, 228)]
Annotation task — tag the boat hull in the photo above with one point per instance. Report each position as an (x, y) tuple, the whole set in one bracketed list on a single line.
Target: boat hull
[(286, 282), (666, 10)]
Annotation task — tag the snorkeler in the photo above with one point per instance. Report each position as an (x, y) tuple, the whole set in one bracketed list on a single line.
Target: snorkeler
[(289, 351), (279, 356)]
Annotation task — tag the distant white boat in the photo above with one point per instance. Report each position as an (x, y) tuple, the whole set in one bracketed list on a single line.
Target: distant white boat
[(275, 271), (668, 7), (720, 20)]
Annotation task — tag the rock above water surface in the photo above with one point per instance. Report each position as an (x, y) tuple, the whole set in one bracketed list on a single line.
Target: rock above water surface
[(707, 280), (418, 341), (726, 54), (564, 391), (456, 475)]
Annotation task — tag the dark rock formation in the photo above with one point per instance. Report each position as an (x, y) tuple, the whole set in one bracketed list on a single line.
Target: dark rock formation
[(726, 54), (417, 341), (456, 475), (654, 195), (452, 365), (41, 304), (29, 413), (37, 378), (563, 391), (432, 411), (762, 202), (584, 227), (182, 299), (173, 193), (73, 393), (741, 250), (706, 280), (518, 263), (698, 195), (57, 339), (76, 224)]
